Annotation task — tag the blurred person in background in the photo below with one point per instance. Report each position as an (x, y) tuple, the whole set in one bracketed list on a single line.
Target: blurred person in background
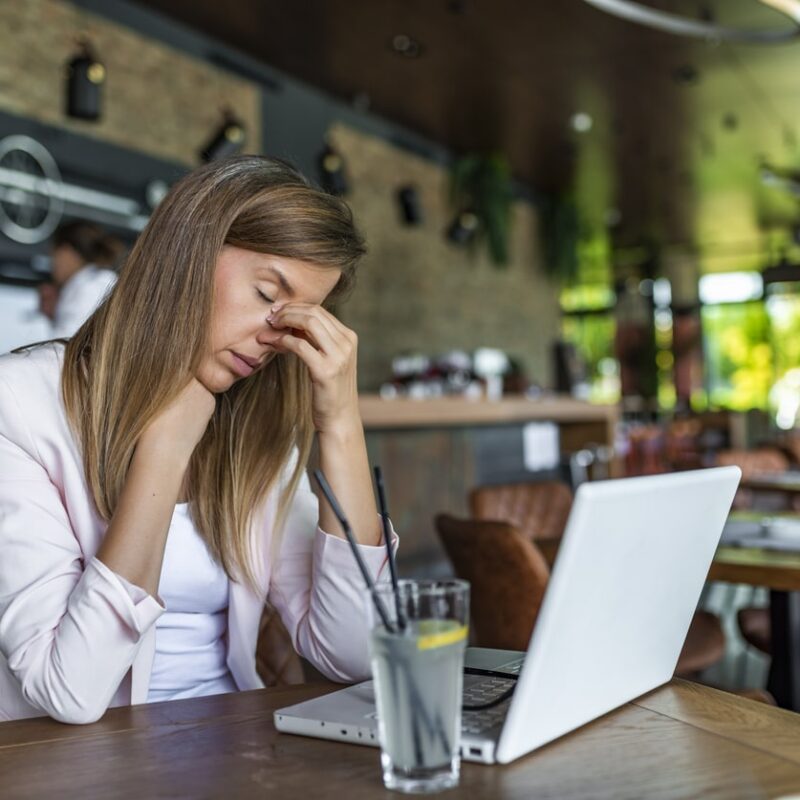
[(83, 260)]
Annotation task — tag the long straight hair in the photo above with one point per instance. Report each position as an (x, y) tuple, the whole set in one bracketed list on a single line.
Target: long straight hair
[(133, 356)]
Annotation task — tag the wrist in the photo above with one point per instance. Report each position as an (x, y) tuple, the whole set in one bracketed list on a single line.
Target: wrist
[(342, 430), (161, 453)]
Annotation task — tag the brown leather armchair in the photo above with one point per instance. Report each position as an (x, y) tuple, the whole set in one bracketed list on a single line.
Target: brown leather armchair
[(508, 575), (539, 510)]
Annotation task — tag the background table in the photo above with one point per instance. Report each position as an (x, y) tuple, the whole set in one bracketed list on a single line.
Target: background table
[(681, 741), (787, 482)]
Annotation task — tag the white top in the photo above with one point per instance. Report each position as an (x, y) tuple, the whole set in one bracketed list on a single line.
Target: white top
[(190, 648), (79, 297)]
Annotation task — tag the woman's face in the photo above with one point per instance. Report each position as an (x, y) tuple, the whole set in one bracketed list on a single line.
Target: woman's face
[(246, 285)]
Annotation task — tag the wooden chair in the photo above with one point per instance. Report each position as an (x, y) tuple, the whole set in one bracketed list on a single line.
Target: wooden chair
[(763, 460), (755, 627), (538, 510), (277, 663), (753, 462), (509, 575)]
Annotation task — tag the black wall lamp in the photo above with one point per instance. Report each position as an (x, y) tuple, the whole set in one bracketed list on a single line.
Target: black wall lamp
[(226, 140), (463, 228), (332, 173), (86, 76), (409, 204)]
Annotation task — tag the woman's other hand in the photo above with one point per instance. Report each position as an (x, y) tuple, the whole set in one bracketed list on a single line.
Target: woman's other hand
[(329, 349), (180, 425)]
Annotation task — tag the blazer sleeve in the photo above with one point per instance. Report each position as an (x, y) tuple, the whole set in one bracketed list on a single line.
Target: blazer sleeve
[(69, 629), (318, 589)]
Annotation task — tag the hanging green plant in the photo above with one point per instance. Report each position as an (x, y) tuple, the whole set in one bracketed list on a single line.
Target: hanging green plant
[(560, 234), (481, 186)]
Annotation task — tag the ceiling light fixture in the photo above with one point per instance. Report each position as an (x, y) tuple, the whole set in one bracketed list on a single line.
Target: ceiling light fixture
[(581, 122), (683, 26), (407, 46)]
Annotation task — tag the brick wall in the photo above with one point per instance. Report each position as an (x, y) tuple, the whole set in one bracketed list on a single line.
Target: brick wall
[(157, 100), (417, 292)]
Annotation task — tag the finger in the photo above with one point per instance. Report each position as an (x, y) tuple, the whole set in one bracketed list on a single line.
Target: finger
[(306, 352), (323, 335), (346, 338)]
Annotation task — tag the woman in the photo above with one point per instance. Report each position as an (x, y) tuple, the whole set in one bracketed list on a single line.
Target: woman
[(186, 406), (83, 257)]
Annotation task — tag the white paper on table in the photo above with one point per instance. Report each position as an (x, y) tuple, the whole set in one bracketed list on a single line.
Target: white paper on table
[(540, 447)]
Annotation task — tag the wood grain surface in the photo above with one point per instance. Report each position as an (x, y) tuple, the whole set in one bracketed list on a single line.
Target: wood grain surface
[(681, 741)]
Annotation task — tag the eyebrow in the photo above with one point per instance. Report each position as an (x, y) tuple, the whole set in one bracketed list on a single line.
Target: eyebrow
[(285, 285)]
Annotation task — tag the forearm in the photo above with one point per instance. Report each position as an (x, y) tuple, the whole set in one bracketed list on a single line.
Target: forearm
[(343, 460), (136, 537)]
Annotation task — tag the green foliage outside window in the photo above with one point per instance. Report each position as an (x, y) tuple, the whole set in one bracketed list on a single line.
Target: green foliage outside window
[(738, 355), (593, 337)]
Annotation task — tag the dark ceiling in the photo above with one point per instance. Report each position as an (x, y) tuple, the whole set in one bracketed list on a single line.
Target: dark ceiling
[(680, 127)]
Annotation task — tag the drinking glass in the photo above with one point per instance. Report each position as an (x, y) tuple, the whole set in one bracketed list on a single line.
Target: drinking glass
[(418, 668)]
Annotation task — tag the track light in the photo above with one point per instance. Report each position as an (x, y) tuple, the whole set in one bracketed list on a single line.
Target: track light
[(226, 140), (463, 228), (85, 78), (408, 200), (332, 173)]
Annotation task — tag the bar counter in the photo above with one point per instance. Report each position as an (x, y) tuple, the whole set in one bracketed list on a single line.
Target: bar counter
[(403, 412), (433, 451)]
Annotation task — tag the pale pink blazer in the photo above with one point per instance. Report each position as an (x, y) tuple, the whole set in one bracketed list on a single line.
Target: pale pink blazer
[(72, 640)]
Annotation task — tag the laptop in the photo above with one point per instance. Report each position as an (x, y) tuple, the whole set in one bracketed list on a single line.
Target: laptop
[(621, 596)]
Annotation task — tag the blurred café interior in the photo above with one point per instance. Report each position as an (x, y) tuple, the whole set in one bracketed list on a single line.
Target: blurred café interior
[(583, 251)]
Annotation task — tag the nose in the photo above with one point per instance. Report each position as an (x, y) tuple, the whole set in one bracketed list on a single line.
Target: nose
[(266, 333)]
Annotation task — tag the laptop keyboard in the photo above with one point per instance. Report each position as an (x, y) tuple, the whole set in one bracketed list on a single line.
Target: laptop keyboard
[(484, 691)]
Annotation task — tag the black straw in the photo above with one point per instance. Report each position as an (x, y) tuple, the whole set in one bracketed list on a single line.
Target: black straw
[(337, 510), (401, 621), (416, 701)]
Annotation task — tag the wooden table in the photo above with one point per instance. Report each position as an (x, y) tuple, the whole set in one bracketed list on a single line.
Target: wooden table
[(787, 482), (681, 741)]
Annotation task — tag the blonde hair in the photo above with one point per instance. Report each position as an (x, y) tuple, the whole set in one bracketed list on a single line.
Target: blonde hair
[(138, 350)]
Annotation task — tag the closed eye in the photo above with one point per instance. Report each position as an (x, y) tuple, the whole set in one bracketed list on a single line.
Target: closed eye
[(264, 297)]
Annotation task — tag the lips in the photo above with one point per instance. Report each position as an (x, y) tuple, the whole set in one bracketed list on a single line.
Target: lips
[(244, 365)]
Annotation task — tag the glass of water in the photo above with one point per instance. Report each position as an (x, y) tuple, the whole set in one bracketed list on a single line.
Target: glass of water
[(418, 669)]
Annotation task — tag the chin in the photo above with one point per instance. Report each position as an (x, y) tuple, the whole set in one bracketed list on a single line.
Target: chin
[(216, 380)]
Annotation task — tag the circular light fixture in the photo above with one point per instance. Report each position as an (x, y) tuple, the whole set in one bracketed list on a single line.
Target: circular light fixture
[(31, 201), (407, 46), (682, 26), (581, 122)]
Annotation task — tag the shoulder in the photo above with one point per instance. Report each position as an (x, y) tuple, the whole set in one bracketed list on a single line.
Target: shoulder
[(29, 370), (30, 385)]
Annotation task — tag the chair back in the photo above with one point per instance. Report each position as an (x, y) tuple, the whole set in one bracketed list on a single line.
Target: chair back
[(754, 462), (507, 574), (539, 510), (277, 663), (764, 460)]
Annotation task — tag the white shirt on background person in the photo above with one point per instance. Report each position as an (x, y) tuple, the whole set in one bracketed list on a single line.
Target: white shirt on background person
[(79, 297)]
